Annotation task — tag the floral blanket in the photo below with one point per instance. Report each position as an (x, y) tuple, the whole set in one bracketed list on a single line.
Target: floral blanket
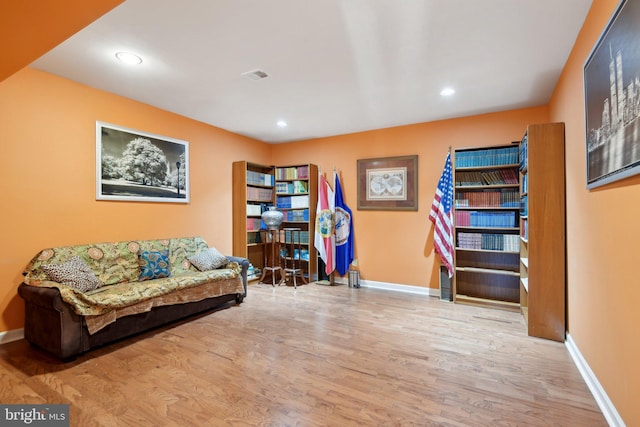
[(121, 293)]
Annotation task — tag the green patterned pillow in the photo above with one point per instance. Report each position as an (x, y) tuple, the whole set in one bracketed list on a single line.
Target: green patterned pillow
[(153, 265), (180, 251), (208, 260), (75, 273)]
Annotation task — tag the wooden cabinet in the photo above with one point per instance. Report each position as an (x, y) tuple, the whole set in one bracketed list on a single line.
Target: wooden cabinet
[(296, 189), (486, 219), (253, 192), (542, 229)]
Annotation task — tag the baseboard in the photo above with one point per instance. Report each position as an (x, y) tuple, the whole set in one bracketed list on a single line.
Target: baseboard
[(10, 336), (606, 406), (393, 287)]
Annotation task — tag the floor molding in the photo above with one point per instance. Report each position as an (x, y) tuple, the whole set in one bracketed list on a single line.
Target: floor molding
[(395, 287), (10, 336), (606, 406)]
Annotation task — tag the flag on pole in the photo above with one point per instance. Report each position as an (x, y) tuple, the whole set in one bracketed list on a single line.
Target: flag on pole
[(344, 229), (324, 240), (442, 217)]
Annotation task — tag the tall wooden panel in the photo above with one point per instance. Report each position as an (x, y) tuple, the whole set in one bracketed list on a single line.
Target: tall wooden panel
[(543, 246), (253, 191)]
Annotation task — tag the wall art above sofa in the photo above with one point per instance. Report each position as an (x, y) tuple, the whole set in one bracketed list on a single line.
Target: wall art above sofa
[(139, 166)]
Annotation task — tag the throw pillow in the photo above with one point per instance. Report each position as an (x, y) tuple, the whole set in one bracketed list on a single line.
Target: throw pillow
[(153, 265), (75, 273), (209, 259)]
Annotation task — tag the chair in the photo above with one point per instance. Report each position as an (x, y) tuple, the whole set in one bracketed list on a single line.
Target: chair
[(292, 256), (272, 240)]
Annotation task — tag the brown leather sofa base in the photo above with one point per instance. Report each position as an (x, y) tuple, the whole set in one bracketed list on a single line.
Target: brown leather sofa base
[(52, 325)]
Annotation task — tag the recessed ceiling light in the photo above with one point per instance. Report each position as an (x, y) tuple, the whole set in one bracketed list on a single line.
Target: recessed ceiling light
[(447, 91), (129, 58), (282, 124)]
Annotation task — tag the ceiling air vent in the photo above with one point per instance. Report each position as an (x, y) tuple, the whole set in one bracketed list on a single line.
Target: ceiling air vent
[(255, 75)]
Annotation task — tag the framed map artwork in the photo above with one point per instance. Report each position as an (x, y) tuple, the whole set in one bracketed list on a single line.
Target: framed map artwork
[(389, 183)]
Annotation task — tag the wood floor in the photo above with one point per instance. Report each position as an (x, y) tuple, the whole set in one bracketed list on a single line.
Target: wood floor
[(316, 356)]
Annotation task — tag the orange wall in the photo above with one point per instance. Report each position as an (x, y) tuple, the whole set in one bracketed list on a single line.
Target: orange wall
[(397, 247), (602, 235), (30, 28), (47, 176)]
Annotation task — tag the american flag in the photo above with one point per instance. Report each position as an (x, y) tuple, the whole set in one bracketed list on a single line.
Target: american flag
[(442, 217)]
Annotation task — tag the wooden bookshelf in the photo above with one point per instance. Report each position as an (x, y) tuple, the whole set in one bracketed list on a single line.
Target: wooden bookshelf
[(253, 190), (296, 196), (542, 247), (486, 219), (292, 189)]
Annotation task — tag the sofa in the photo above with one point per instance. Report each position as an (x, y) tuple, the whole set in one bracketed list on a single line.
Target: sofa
[(81, 297)]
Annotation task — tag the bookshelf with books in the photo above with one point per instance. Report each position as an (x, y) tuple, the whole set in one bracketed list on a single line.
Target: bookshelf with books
[(296, 189), (253, 192), (542, 231), (486, 220)]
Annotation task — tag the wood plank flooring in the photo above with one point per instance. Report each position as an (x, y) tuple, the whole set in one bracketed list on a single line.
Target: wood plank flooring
[(316, 356)]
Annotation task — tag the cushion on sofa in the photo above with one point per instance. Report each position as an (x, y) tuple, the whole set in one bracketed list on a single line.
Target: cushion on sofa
[(114, 262), (180, 249), (75, 273), (153, 265), (209, 259)]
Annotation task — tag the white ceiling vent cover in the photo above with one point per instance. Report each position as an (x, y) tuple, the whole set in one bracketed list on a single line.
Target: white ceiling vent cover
[(255, 75)]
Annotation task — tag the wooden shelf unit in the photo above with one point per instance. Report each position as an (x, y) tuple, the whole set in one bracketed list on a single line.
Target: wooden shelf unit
[(542, 246), (246, 240), (487, 253), (298, 184)]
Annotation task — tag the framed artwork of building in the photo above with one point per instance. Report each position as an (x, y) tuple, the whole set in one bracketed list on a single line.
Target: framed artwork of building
[(612, 99)]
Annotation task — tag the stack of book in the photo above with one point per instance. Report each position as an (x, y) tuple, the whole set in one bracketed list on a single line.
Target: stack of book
[(294, 172), (257, 178), (487, 199), (487, 157), (294, 187), (491, 177), (296, 215), (489, 241), (485, 219), (523, 152), (292, 202), (259, 194)]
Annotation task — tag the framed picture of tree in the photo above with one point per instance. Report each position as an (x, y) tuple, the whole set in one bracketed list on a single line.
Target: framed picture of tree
[(138, 166)]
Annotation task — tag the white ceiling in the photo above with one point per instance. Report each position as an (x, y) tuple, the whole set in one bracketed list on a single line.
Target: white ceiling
[(334, 66)]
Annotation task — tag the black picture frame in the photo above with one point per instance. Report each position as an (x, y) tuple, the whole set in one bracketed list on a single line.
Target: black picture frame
[(612, 99), (139, 166)]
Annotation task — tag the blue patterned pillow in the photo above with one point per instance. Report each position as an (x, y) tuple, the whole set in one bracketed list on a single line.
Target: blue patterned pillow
[(153, 265)]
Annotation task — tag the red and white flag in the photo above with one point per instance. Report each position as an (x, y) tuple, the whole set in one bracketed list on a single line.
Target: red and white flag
[(442, 217), (325, 239)]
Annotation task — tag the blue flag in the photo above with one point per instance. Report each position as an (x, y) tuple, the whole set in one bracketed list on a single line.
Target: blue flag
[(343, 229)]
